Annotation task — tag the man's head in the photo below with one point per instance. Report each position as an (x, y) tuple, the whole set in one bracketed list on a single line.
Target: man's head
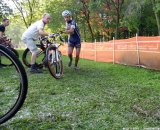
[(46, 18), (67, 15), (5, 22)]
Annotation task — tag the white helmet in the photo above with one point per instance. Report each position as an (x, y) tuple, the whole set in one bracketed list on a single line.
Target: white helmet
[(66, 13)]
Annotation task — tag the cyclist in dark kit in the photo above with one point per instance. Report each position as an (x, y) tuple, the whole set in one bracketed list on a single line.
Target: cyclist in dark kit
[(74, 37)]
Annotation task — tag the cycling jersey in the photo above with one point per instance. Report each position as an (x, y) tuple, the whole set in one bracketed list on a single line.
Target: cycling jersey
[(74, 39)]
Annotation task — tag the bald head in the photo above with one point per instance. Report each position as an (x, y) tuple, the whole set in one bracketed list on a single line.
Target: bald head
[(46, 18)]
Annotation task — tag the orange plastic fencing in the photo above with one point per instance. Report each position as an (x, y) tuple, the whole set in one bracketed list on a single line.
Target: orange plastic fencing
[(136, 51)]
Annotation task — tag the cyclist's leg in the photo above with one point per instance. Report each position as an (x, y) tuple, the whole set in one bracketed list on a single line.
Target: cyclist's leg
[(70, 51), (31, 45), (78, 49)]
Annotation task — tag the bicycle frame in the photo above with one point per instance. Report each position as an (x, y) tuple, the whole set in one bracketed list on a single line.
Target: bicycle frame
[(52, 42)]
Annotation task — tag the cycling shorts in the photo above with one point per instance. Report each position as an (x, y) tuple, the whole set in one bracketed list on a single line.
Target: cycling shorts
[(31, 45), (76, 44)]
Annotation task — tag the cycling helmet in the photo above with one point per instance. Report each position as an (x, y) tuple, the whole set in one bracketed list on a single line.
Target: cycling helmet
[(66, 13)]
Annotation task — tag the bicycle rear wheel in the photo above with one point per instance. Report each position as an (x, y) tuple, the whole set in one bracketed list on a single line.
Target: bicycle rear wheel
[(54, 60), (13, 86), (26, 57)]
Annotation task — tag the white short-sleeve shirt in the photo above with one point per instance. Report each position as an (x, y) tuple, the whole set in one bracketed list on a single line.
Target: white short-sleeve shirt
[(32, 31)]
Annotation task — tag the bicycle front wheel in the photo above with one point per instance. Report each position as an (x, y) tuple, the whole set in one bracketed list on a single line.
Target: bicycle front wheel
[(54, 60), (13, 85)]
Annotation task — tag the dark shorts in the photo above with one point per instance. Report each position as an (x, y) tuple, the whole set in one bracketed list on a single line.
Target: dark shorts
[(74, 44)]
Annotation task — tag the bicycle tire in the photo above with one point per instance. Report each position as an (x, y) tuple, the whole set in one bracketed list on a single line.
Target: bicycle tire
[(7, 112), (15, 52), (26, 56), (55, 67)]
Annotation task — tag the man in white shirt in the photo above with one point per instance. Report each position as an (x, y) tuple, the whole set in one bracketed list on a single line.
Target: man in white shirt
[(30, 37)]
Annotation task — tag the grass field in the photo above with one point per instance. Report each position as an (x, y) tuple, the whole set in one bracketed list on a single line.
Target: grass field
[(99, 96)]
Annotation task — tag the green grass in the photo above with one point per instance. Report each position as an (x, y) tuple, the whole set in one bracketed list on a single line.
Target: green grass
[(99, 96)]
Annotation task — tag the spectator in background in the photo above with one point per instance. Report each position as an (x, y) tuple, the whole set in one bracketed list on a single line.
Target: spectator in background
[(3, 38)]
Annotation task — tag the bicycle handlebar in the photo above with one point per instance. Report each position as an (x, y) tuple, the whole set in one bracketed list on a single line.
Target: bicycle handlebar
[(53, 35)]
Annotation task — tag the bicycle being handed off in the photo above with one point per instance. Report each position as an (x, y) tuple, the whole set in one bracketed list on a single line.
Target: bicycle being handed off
[(48, 56), (13, 85)]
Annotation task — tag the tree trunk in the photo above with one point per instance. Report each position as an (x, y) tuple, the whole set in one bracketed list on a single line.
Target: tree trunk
[(117, 26), (90, 29), (118, 5), (87, 17), (158, 22), (157, 15)]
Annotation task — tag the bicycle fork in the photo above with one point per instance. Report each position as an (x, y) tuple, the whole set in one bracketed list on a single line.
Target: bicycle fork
[(55, 57)]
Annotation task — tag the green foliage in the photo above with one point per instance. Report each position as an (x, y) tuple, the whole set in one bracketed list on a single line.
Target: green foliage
[(14, 31), (5, 10), (136, 15), (132, 16), (139, 18), (156, 7), (56, 7), (148, 22)]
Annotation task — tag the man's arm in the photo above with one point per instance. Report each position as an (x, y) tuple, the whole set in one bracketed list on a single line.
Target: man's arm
[(42, 32), (1, 34), (70, 31)]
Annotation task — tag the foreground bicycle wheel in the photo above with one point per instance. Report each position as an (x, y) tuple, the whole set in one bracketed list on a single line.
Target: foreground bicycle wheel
[(54, 60), (13, 85), (3, 58), (15, 52), (26, 57)]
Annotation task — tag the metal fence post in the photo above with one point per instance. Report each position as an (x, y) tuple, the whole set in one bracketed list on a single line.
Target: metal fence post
[(137, 48), (82, 49), (113, 46), (95, 53)]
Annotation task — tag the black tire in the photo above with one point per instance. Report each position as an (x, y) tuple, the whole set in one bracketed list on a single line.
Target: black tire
[(15, 52), (55, 66), (26, 57), (3, 58), (13, 86)]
